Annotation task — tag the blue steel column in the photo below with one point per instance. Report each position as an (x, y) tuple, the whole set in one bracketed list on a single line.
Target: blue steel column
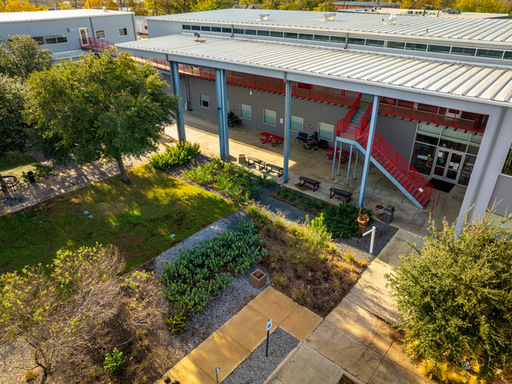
[(220, 86), (369, 147), (349, 161), (334, 158), (287, 124), (225, 115), (180, 123)]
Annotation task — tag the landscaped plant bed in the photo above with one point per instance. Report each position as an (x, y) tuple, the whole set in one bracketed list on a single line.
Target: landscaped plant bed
[(303, 263), (300, 200)]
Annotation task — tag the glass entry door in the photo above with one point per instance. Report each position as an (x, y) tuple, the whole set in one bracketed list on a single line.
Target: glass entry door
[(448, 165), (84, 35)]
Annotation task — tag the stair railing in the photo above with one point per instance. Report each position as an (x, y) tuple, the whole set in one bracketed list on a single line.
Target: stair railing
[(342, 124)]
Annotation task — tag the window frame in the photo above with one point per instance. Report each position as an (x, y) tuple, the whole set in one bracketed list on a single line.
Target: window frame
[(301, 122), (204, 99), (98, 31), (242, 105), (122, 29), (324, 137), (265, 110)]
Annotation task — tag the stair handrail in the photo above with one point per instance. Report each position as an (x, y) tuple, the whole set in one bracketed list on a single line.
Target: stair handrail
[(385, 147), (342, 125)]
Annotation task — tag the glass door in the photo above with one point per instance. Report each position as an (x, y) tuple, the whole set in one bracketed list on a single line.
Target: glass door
[(448, 165), (84, 35)]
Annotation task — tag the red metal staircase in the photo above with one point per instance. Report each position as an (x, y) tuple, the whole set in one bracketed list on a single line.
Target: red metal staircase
[(354, 128)]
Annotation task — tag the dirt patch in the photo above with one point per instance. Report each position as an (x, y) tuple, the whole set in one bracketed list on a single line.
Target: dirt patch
[(315, 278)]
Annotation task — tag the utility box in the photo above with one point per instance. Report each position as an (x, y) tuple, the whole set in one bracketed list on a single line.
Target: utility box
[(31, 177), (387, 215), (241, 159)]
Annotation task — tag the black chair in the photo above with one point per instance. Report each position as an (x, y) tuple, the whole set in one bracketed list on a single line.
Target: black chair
[(302, 137)]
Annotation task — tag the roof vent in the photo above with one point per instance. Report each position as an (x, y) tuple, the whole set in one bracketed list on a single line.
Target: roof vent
[(104, 9), (264, 16), (329, 16), (392, 19)]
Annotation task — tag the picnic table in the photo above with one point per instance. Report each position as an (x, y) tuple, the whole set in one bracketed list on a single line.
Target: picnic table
[(9, 182), (271, 138)]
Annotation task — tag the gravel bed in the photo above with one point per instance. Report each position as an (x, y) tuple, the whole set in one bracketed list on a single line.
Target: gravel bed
[(214, 315), (359, 247), (214, 229), (256, 367)]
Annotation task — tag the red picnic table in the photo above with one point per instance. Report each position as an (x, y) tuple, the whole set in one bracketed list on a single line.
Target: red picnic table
[(271, 138)]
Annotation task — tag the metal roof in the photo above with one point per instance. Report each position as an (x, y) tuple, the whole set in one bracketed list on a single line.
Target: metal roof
[(489, 30), (11, 17), (441, 78)]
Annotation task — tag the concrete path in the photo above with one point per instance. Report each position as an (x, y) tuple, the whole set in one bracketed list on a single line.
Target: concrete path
[(232, 343), (356, 338)]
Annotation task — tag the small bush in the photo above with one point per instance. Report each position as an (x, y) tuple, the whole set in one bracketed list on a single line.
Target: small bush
[(113, 361), (30, 376), (341, 221), (176, 322), (299, 294), (178, 154), (316, 233), (237, 183), (280, 281), (349, 257), (201, 273)]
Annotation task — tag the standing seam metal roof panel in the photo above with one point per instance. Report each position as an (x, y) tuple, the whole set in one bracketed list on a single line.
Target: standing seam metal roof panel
[(457, 79)]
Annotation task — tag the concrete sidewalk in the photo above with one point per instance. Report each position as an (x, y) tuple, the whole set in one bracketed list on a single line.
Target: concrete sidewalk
[(356, 339), (232, 343)]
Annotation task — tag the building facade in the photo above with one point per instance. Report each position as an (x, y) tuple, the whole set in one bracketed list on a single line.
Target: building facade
[(433, 96), (62, 31)]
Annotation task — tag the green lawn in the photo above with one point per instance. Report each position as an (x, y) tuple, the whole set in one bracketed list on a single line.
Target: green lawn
[(138, 219), (15, 163)]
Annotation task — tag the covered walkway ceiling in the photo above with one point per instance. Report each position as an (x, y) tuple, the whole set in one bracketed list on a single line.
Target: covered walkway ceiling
[(465, 82)]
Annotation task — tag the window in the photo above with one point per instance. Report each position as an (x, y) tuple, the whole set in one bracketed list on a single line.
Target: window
[(489, 53), (395, 44), (269, 117), (196, 28), (226, 30), (245, 111), (237, 30), (185, 27), (50, 39), (205, 28), (416, 47), (216, 29), (263, 33), (123, 32), (100, 34), (305, 36), (321, 38), (290, 35), (296, 123), (375, 43), (353, 40), (325, 131), (507, 168), (338, 39), (250, 31), (39, 39), (61, 38), (204, 101), (276, 34), (439, 48), (507, 56), (463, 51)]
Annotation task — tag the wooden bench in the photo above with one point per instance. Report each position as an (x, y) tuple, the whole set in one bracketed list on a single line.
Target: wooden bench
[(306, 180), (275, 168), (263, 141), (340, 192), (253, 160)]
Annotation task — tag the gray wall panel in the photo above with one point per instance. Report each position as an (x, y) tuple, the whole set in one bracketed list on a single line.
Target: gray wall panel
[(502, 194), (397, 132), (158, 28)]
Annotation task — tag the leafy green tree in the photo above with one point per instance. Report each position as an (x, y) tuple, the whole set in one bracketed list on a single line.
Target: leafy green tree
[(21, 55), (100, 107), (454, 296), (12, 128)]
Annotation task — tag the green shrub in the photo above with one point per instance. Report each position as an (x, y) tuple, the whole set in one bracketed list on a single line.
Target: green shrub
[(237, 183), (178, 154), (305, 202), (341, 221), (315, 232), (113, 361), (176, 322), (201, 273)]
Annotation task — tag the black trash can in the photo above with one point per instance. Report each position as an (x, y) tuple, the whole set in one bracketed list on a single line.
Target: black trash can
[(31, 177), (387, 216)]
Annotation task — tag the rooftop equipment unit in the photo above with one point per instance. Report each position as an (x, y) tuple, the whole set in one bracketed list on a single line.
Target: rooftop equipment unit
[(264, 16), (329, 16)]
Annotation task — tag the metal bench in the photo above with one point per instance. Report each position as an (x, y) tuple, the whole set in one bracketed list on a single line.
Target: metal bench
[(302, 137), (253, 160), (306, 180), (340, 192), (275, 168)]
